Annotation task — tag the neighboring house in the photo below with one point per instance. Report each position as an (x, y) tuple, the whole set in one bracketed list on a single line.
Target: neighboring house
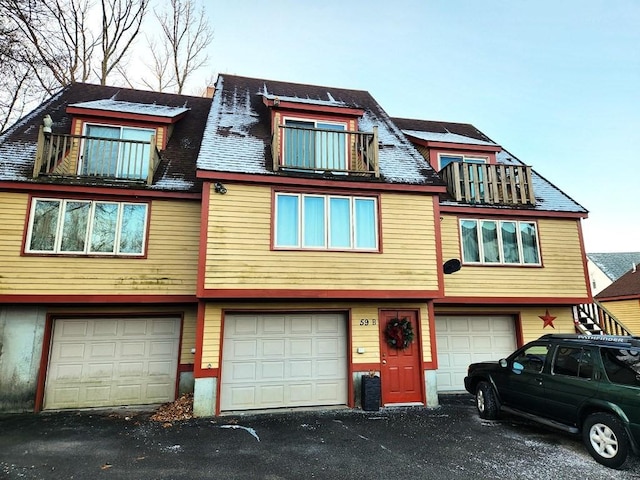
[(622, 299), (99, 239), (606, 268), (319, 241)]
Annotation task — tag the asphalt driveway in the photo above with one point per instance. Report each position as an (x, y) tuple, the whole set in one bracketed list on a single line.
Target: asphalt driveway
[(449, 442)]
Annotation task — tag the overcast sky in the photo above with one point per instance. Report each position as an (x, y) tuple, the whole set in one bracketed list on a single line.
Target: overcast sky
[(555, 82)]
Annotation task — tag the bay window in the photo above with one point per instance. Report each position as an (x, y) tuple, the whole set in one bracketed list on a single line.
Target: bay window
[(506, 242), (62, 226), (326, 222)]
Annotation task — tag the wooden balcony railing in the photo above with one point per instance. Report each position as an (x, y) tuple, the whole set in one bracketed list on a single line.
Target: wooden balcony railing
[(62, 155), (490, 184), (322, 150)]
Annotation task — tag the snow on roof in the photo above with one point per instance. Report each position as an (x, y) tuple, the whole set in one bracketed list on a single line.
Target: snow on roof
[(236, 138), (111, 105), (446, 137), (331, 102), (548, 196)]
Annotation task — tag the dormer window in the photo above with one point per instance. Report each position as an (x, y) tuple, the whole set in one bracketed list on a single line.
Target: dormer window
[(314, 144), (118, 152), (445, 160)]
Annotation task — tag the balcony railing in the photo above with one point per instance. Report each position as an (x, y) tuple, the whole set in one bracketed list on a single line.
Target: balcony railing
[(62, 155), (322, 150), (489, 184)]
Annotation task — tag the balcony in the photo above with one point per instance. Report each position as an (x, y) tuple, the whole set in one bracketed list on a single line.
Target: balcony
[(489, 184), (321, 150), (79, 156)]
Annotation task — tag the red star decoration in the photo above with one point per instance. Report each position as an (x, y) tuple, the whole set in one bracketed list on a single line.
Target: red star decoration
[(547, 319)]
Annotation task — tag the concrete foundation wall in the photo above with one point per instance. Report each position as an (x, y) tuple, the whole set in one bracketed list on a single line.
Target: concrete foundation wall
[(21, 336)]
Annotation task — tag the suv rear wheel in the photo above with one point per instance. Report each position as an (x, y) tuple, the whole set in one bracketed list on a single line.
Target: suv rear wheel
[(606, 440), (486, 401)]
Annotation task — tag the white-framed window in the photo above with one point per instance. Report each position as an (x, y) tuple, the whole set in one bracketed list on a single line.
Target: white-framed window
[(314, 144), (116, 151), (89, 227), (331, 222), (445, 159), (495, 242)]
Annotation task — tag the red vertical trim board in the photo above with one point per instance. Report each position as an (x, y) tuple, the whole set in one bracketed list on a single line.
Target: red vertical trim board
[(180, 347), (44, 362), (519, 334), (204, 226), (350, 366)]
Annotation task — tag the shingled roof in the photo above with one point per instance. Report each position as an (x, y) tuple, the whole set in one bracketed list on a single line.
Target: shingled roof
[(238, 134), (615, 264), (177, 169), (548, 196), (626, 287)]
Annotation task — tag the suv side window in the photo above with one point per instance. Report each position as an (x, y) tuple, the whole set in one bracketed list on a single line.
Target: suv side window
[(531, 360), (573, 361), (622, 366)]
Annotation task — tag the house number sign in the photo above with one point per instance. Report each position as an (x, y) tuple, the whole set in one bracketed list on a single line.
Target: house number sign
[(365, 322)]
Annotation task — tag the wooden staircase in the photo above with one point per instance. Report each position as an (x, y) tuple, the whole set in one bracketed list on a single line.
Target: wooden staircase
[(594, 319)]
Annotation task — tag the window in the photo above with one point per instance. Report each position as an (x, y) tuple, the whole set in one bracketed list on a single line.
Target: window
[(530, 360), (315, 145), (447, 159), (326, 222), (573, 362), (120, 152), (87, 227), (500, 242), (622, 366)]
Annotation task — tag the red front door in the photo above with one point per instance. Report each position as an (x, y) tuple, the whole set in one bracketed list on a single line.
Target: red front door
[(400, 371)]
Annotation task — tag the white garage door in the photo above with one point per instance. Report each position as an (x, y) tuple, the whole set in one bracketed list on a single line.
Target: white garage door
[(462, 340), (271, 361), (104, 362)]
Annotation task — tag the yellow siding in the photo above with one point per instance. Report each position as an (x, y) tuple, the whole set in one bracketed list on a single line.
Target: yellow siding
[(239, 254), (362, 336), (627, 312), (531, 323), (562, 274), (189, 313), (170, 267)]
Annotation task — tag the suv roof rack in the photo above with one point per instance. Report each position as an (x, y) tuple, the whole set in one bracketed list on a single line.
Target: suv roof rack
[(596, 339)]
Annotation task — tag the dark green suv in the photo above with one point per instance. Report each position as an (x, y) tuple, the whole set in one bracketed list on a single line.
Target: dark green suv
[(579, 383)]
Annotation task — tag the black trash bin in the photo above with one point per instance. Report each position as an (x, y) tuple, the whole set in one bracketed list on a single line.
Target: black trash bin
[(370, 393)]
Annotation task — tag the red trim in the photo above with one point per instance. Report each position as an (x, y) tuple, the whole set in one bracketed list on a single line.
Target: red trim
[(327, 110), (632, 296), (278, 180), (107, 192), (318, 294), (91, 115), (519, 332), (93, 299), (185, 367), (450, 146), (512, 300), (223, 322), (488, 211), (177, 386), (44, 362), (204, 225)]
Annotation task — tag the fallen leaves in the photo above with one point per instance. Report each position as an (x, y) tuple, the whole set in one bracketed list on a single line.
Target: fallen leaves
[(181, 409)]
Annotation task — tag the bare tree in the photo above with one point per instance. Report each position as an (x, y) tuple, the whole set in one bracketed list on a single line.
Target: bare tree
[(121, 23), (61, 42), (181, 50)]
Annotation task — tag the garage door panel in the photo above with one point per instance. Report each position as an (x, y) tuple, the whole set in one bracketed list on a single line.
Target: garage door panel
[(134, 361), (308, 351), (462, 340)]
